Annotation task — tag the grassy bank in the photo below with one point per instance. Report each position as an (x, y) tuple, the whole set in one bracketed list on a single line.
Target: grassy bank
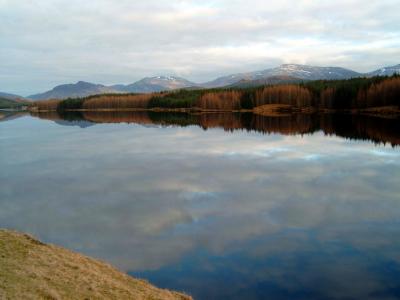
[(30, 269)]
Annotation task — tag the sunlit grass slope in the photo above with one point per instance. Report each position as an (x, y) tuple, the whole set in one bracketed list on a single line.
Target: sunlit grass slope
[(30, 269)]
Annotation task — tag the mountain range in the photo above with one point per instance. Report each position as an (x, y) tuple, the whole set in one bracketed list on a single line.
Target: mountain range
[(145, 85), (286, 73), (387, 71), (155, 84), (302, 72)]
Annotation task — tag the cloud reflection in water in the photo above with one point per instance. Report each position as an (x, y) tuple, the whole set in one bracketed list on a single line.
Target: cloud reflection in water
[(217, 214)]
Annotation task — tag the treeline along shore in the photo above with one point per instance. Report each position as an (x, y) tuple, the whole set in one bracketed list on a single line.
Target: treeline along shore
[(375, 95)]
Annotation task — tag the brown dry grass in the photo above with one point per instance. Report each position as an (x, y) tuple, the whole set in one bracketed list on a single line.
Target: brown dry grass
[(30, 269)]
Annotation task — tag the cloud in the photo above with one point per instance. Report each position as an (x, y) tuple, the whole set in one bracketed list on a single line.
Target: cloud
[(51, 42)]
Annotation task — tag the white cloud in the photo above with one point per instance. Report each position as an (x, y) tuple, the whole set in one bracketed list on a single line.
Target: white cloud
[(50, 42)]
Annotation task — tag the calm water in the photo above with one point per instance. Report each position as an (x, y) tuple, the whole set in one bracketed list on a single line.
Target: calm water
[(235, 207)]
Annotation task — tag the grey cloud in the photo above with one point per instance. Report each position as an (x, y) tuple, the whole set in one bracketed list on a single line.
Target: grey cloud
[(51, 42)]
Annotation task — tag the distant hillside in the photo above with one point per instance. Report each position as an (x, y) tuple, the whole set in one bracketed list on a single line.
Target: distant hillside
[(30, 269), (10, 96), (84, 89), (302, 72), (266, 81), (12, 104), (79, 89), (387, 71), (156, 84)]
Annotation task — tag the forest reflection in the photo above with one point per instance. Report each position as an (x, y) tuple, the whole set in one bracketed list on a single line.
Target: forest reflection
[(359, 127)]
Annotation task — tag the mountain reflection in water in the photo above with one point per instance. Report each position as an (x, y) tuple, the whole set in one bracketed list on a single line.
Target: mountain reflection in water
[(358, 127)]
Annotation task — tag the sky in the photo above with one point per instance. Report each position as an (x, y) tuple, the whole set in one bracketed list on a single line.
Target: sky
[(49, 42)]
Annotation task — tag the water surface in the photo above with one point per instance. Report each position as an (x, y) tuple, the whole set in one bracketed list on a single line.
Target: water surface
[(220, 206)]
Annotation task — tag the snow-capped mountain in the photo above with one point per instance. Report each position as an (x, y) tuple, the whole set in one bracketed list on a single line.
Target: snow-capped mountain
[(310, 72), (145, 85), (302, 72), (387, 71), (156, 84), (286, 73)]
